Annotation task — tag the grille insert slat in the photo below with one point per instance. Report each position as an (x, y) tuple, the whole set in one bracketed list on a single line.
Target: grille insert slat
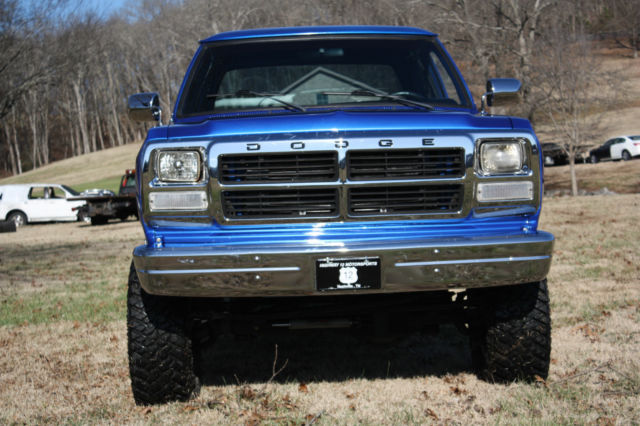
[(285, 203), (394, 199), (270, 168), (405, 163)]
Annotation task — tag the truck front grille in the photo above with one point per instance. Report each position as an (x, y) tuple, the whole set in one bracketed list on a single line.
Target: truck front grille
[(280, 203), (281, 167), (405, 164), (359, 183), (405, 199)]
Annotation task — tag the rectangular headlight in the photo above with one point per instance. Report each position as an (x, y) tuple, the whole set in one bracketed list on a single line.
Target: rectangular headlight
[(178, 166), (505, 191), (178, 200), (498, 158)]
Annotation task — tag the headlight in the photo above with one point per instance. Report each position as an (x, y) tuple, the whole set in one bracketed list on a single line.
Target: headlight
[(498, 158), (179, 166)]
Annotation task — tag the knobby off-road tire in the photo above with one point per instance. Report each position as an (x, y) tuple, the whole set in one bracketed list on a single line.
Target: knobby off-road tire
[(512, 340), (161, 361)]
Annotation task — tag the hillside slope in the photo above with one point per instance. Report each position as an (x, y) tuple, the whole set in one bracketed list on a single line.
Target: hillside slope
[(93, 167)]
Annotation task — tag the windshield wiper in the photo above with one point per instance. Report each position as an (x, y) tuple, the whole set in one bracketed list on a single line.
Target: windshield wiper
[(245, 93), (387, 96)]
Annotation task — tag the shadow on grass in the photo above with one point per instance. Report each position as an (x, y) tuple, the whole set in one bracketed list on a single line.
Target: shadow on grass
[(333, 356)]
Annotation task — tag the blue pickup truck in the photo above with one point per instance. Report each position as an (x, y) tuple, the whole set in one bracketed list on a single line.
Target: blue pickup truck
[(335, 177)]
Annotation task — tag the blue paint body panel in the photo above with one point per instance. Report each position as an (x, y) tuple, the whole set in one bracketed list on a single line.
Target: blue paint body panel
[(322, 123), (372, 30)]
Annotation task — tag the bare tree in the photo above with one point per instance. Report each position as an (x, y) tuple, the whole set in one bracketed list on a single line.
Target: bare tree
[(65, 78), (626, 24), (579, 92)]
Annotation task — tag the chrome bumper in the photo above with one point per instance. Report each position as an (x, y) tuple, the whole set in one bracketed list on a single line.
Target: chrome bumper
[(416, 265)]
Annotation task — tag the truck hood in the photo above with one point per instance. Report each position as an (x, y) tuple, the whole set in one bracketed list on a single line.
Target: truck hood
[(331, 124)]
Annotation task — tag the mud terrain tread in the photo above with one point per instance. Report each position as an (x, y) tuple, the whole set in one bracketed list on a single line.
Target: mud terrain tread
[(514, 343), (160, 350)]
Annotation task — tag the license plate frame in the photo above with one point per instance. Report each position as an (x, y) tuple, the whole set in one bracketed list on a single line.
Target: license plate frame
[(348, 273)]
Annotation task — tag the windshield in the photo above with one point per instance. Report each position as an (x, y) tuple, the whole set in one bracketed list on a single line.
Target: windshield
[(338, 73)]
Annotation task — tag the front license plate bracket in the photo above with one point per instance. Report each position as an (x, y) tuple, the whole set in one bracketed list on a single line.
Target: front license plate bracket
[(360, 273)]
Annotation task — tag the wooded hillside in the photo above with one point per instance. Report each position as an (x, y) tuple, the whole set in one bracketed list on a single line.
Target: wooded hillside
[(65, 76)]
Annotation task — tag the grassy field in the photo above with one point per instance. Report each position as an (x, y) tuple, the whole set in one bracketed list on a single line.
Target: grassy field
[(63, 340), (619, 176)]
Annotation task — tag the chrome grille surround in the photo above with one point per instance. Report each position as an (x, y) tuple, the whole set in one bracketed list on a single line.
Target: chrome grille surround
[(412, 140)]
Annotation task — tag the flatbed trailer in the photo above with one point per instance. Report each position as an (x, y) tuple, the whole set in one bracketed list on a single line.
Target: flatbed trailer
[(100, 208)]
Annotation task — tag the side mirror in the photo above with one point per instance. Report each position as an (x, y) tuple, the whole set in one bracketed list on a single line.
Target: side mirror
[(505, 90), (145, 107)]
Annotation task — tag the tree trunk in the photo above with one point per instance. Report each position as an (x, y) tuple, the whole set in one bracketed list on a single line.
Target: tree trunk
[(99, 128), (12, 158), (16, 147), (81, 111), (574, 180)]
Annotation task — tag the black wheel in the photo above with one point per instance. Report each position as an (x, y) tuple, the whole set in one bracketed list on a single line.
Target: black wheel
[(626, 156), (98, 220), (548, 160), (19, 218), (161, 362), (511, 340), (594, 159), (83, 217)]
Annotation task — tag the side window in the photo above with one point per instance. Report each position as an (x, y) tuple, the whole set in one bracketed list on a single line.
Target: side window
[(45, 192), (57, 192), (36, 192)]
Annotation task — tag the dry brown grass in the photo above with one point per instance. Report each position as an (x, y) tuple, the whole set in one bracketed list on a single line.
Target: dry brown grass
[(618, 176), (60, 366), (85, 168)]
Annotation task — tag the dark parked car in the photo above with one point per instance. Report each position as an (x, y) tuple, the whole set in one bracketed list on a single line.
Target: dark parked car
[(553, 154)]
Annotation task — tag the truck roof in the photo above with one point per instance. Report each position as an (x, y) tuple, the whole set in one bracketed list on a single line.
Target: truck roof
[(319, 30)]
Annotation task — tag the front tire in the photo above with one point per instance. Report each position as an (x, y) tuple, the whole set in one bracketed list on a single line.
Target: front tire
[(594, 159), (19, 218), (161, 362), (511, 340)]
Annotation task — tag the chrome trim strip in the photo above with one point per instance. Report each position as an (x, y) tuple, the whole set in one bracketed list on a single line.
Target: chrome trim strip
[(221, 271), (468, 261)]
